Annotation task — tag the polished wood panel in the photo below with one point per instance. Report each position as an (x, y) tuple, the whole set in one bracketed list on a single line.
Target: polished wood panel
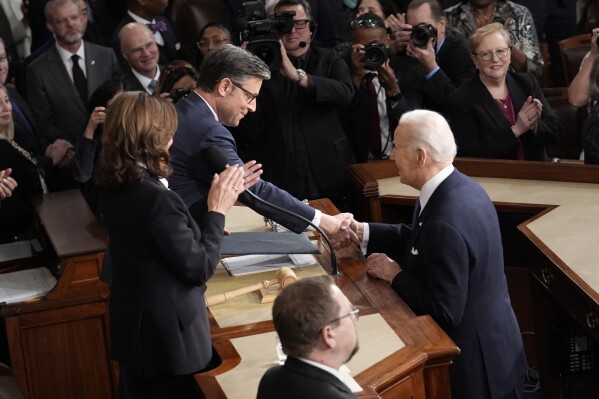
[(59, 344)]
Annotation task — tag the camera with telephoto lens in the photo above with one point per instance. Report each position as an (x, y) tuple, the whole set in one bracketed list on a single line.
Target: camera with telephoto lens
[(422, 33), (261, 32), (375, 55)]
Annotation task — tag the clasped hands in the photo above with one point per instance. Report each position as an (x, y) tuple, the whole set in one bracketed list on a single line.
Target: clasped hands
[(528, 116)]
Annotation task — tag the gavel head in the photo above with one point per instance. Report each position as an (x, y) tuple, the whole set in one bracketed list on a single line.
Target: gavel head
[(286, 276)]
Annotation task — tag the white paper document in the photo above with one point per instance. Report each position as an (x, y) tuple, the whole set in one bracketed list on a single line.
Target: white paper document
[(25, 284)]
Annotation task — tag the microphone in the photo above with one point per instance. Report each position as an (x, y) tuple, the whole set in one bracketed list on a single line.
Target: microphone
[(303, 44), (218, 161)]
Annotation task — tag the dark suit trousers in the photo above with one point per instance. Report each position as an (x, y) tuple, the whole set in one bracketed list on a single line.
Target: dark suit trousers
[(132, 386)]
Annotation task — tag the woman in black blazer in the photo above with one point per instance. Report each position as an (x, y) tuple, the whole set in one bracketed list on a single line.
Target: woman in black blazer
[(500, 114), (161, 259)]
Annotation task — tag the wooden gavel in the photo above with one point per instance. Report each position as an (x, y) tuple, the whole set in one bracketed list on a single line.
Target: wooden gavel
[(285, 276)]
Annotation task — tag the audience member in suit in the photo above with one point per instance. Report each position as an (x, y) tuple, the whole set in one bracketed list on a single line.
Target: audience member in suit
[(316, 325), (470, 15), (384, 91), (89, 144), (590, 130), (445, 59), (7, 184), (213, 35), (139, 49), (500, 114), (102, 20), (53, 158), (450, 261), (297, 132), (149, 13), (229, 81), (58, 88), (177, 80), (161, 259)]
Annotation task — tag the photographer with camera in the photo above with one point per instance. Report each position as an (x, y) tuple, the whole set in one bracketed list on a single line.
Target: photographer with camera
[(386, 87), (443, 54), (297, 131)]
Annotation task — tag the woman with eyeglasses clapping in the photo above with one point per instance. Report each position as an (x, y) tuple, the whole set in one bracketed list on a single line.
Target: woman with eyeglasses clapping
[(500, 113)]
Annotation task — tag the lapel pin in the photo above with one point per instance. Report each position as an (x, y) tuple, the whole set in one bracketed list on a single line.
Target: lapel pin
[(414, 251), (93, 62)]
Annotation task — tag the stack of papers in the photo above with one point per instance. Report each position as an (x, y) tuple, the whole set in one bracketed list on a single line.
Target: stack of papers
[(247, 264), (25, 284)]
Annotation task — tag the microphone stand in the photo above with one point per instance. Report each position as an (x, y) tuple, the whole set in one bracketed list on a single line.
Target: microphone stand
[(334, 268)]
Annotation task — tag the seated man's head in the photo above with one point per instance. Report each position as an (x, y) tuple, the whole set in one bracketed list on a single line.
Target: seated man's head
[(316, 321), (139, 48), (427, 12), (232, 78), (369, 30)]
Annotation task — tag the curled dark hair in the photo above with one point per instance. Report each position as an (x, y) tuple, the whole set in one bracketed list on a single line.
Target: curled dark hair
[(137, 130)]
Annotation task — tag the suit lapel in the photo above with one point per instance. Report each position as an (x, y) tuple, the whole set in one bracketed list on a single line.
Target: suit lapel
[(57, 68), (488, 103), (315, 373), (91, 68)]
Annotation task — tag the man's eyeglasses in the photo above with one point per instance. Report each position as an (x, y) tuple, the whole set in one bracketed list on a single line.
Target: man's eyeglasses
[(300, 23), (216, 41), (488, 55), (355, 314), (249, 96), (366, 23)]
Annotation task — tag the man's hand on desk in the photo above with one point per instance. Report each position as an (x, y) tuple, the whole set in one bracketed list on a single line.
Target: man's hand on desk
[(337, 228), (382, 267)]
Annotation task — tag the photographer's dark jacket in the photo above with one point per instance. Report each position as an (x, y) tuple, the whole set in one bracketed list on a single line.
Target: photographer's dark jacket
[(297, 133), (456, 68)]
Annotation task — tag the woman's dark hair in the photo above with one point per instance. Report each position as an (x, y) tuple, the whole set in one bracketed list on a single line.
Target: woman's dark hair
[(173, 73), (387, 6), (105, 92), (137, 131)]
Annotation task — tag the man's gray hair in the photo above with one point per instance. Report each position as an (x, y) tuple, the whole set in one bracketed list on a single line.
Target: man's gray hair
[(231, 62), (56, 3), (430, 131)]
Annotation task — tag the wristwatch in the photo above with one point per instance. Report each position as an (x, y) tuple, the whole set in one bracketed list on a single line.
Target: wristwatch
[(301, 76)]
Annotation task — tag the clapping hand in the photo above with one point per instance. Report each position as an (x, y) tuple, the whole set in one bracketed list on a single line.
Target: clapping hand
[(7, 183), (528, 116)]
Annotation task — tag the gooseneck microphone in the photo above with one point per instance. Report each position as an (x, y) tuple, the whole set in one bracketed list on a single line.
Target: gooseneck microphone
[(218, 162)]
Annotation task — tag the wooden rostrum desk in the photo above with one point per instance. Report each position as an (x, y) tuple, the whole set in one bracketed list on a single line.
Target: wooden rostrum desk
[(418, 370), (549, 219), (59, 344)]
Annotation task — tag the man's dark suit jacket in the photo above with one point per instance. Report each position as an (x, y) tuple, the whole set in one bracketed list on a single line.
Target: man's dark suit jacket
[(161, 261), (192, 173), (482, 131), (54, 101), (168, 52), (453, 270), (457, 68), (298, 130), (300, 380)]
